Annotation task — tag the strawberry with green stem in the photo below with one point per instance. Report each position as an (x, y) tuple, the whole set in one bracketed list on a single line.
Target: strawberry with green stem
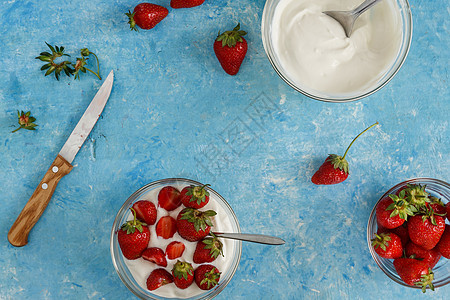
[(335, 167), (51, 64), (206, 276), (207, 250), (195, 196), (133, 237), (183, 274), (81, 62), (25, 121), (230, 48), (414, 272)]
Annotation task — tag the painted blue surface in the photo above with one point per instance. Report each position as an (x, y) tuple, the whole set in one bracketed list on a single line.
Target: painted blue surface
[(173, 112)]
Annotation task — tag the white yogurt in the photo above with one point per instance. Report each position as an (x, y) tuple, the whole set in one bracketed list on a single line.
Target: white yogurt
[(141, 269), (315, 53)]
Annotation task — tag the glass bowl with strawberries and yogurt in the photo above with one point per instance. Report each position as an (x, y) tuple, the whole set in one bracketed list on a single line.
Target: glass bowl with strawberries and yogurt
[(422, 193), (147, 266), (310, 51)]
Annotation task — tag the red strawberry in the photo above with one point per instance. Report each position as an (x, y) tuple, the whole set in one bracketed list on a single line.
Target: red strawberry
[(158, 278), (444, 244), (155, 255), (207, 250), (414, 272), (169, 198), (447, 206), (401, 231), (194, 196), (426, 230), (145, 211), (133, 238), (437, 205), (393, 211), (430, 257), (185, 3), (183, 274), (230, 48), (388, 245), (175, 250), (166, 227), (193, 225), (335, 168), (146, 15), (207, 277)]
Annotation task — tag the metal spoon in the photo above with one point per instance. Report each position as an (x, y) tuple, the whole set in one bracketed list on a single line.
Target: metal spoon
[(348, 18), (255, 238)]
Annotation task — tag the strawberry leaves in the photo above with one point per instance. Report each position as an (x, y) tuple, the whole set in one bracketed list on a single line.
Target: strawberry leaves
[(231, 37), (200, 219), (53, 63)]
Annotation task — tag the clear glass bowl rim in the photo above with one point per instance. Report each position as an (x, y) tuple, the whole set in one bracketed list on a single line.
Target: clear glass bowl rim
[(114, 248), (401, 57), (372, 221)]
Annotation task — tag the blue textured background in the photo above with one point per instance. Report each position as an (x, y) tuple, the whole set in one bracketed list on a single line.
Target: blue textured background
[(173, 112)]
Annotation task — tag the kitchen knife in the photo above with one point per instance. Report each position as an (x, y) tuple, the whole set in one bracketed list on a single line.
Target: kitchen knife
[(61, 166)]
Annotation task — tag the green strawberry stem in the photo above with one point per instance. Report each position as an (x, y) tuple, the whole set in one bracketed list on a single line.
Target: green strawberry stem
[(376, 123)]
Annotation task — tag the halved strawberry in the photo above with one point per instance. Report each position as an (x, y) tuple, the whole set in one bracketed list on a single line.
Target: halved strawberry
[(175, 250), (145, 211), (158, 278), (155, 255), (169, 198), (166, 227)]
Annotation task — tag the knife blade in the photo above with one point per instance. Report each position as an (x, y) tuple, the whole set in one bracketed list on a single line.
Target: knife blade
[(61, 166)]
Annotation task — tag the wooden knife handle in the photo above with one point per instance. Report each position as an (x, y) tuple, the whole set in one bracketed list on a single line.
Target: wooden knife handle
[(18, 234)]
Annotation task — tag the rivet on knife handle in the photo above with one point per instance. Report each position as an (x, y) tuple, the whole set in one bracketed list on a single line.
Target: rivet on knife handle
[(18, 234)]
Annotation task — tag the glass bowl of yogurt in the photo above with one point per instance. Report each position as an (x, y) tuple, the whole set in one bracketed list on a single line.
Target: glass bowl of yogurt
[(434, 187), (134, 273), (310, 52)]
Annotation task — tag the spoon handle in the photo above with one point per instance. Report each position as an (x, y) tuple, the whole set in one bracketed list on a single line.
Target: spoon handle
[(364, 6), (255, 238)]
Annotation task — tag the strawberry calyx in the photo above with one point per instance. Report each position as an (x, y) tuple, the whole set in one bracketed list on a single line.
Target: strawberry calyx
[(381, 241), (429, 213), (131, 21), (198, 193), (426, 280), (182, 269), (338, 162), (51, 64), (231, 37), (416, 195), (401, 207), (214, 244), (211, 278), (200, 219), (25, 121), (131, 226)]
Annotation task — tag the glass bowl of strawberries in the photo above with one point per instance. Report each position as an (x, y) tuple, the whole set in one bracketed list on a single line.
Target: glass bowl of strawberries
[(408, 233), (163, 244)]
